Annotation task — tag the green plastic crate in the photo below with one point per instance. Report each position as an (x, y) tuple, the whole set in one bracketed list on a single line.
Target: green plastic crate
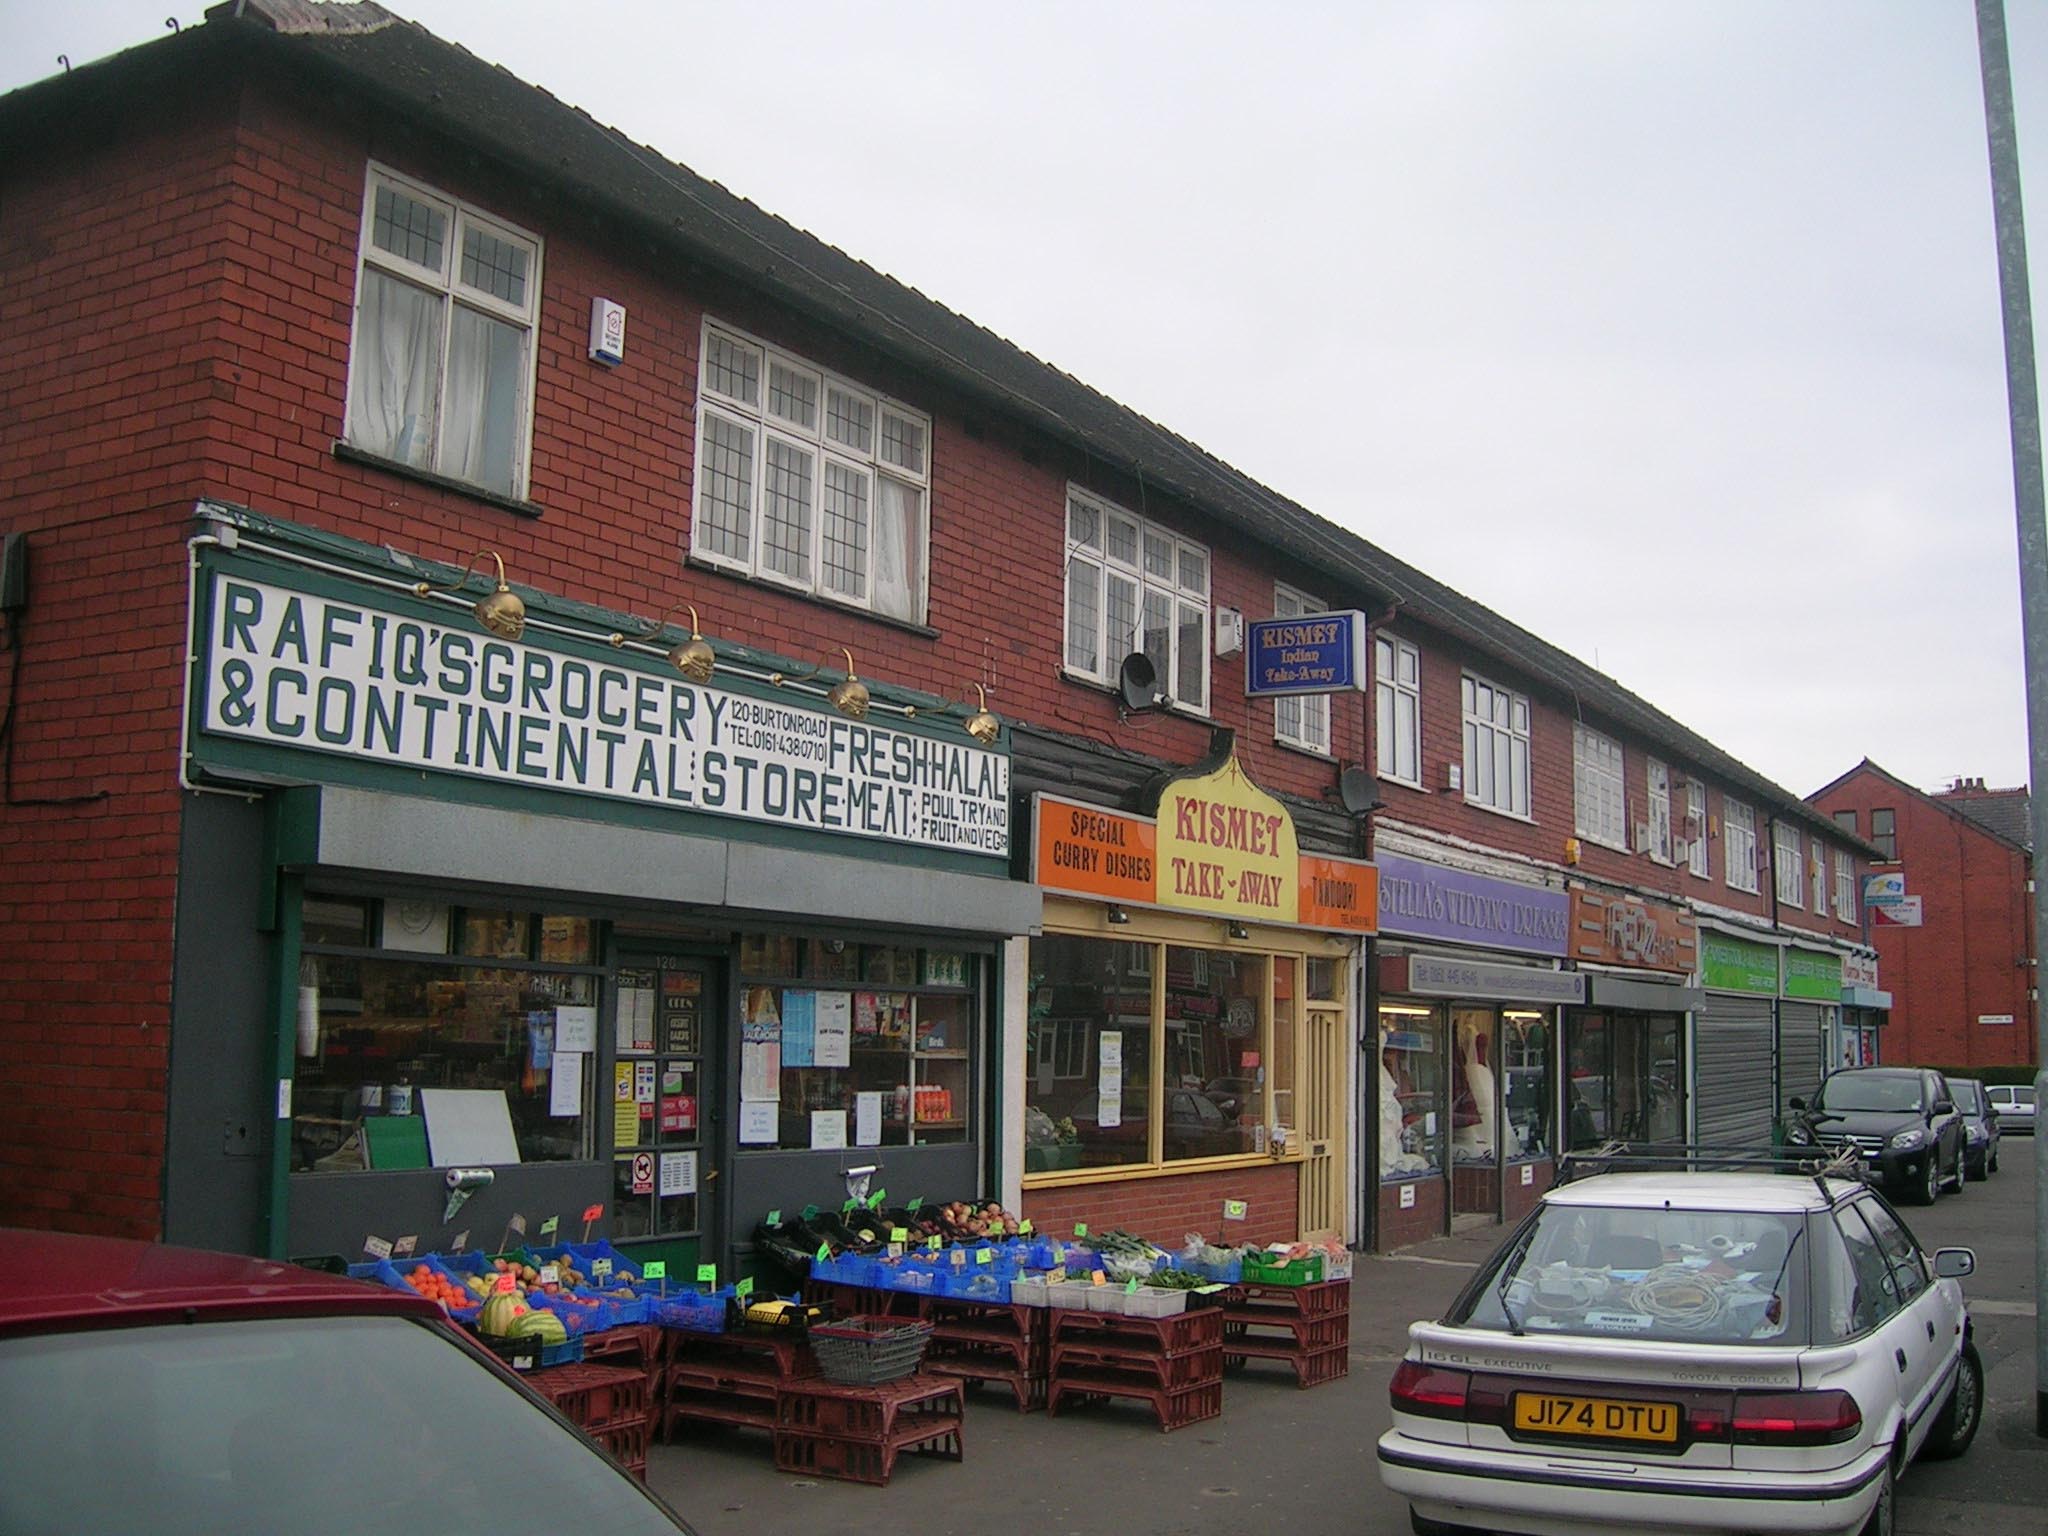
[(1308, 1271)]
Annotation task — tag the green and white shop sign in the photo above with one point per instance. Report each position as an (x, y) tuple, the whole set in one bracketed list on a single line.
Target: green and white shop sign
[(1813, 976), (1729, 964)]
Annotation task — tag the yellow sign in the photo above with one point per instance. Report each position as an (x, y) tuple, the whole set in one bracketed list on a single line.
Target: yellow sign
[(1228, 847)]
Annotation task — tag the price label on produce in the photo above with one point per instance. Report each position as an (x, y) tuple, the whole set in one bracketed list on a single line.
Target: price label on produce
[(1024, 1227), (549, 1227), (550, 1274), (506, 1285), (824, 1253), (932, 1243), (899, 1234), (1131, 1286), (1236, 1210), (744, 1288), (600, 1267), (655, 1269), (707, 1274), (377, 1247), (875, 1200), (996, 1228), (403, 1248), (1057, 1275), (917, 1205), (774, 1219), (849, 1208), (593, 1212), (461, 1241), (1080, 1229), (984, 1256), (810, 1211), (959, 1258), (1097, 1277)]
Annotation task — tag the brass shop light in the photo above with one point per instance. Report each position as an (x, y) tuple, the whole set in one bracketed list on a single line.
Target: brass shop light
[(694, 658), (850, 695), (983, 724), (501, 612)]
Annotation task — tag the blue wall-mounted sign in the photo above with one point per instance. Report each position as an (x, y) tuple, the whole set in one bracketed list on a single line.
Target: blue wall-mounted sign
[(1316, 653)]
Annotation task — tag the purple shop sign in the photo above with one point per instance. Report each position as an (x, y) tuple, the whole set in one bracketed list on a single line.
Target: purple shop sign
[(1426, 901)]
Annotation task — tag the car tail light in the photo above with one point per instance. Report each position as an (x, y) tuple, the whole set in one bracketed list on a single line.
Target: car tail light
[(1429, 1390), (1795, 1418)]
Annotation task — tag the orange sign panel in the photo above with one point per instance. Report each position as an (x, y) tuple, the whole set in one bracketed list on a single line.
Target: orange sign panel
[(1093, 852), (1339, 893), (1613, 930)]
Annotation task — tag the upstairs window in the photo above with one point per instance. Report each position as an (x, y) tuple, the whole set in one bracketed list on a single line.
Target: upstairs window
[(1738, 845), (1787, 864), (1884, 831), (1602, 806), (1397, 697), (1846, 820), (1133, 585), (1496, 747), (1302, 721), (1817, 872), (441, 363), (1659, 778), (1845, 888), (1696, 827), (807, 481)]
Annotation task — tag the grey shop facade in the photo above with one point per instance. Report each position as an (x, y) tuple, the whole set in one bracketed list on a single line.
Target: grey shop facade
[(482, 933)]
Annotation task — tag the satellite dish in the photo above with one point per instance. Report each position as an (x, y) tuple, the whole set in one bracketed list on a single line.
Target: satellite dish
[(1356, 789), (1138, 681)]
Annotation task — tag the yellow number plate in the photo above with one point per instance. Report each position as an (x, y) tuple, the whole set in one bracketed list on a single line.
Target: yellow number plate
[(1601, 1418)]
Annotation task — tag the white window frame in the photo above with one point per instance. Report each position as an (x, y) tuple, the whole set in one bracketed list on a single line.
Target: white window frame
[(1738, 845), (1397, 697), (1788, 865), (1599, 788), (1301, 720), (447, 286), (1658, 779), (854, 461), (1697, 852), (1091, 562), (1484, 704), (1845, 886), (1817, 873)]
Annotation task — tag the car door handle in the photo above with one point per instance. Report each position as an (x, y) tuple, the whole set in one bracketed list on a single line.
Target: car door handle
[(1930, 1332), (1900, 1356)]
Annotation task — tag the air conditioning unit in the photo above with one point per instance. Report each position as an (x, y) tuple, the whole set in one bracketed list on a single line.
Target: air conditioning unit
[(1642, 837), (1229, 631), (1681, 850)]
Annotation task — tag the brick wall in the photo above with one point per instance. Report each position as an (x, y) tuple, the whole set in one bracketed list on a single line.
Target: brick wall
[(1165, 1209), (1400, 1228), (1968, 957)]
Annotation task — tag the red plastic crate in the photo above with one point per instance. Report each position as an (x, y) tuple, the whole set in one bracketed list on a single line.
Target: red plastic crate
[(1191, 1368), (1163, 1335), (1326, 1331), (1174, 1410), (627, 1445), (856, 1461), (1309, 1300), (917, 1406), (595, 1396)]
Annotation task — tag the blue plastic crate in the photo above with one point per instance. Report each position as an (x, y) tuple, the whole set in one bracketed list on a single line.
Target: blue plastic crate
[(623, 1268), (984, 1285), (386, 1272), (697, 1311)]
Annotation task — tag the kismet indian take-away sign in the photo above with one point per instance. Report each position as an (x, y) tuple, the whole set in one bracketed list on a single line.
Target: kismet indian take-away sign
[(336, 673), (1219, 845)]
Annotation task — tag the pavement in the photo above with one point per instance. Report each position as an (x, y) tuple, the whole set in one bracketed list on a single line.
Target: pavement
[(1302, 1461)]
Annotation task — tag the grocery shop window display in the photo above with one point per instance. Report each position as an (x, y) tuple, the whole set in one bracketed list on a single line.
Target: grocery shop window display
[(398, 998), (1411, 1092), (852, 1045)]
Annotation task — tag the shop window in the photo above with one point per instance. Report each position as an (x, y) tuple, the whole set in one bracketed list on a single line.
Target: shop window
[(809, 481), (1624, 1079), (1397, 703), (1215, 1079), (1496, 747), (1092, 995), (1738, 845), (1525, 1057), (1302, 721), (1411, 1092), (441, 367), (854, 1045), (1133, 585), (414, 1050)]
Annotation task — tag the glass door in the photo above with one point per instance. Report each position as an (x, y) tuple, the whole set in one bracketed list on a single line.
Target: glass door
[(663, 1157), (1475, 1115)]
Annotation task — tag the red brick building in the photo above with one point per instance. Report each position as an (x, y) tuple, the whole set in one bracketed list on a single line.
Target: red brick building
[(331, 871), (1961, 981)]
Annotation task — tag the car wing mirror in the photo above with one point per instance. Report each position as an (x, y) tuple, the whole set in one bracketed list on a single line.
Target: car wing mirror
[(1944, 1106), (1954, 1263), (1796, 1102)]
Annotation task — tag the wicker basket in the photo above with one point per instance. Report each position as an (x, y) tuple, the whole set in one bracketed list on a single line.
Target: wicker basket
[(867, 1351)]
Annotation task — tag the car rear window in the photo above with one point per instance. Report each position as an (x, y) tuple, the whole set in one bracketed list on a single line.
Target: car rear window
[(1722, 1277), (308, 1426)]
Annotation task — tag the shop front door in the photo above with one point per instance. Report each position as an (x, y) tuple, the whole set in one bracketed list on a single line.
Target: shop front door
[(666, 1017), (1325, 1084), (1475, 1116)]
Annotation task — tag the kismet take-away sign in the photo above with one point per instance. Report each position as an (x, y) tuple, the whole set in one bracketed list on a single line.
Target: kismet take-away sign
[(1315, 653), (289, 668)]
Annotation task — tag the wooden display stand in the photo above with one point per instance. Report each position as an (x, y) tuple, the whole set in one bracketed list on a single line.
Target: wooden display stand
[(828, 1429), (1308, 1326), (1174, 1364)]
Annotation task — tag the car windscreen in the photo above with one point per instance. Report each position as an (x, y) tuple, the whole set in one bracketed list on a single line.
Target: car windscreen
[(1719, 1277), (306, 1426), (1969, 1097), (1857, 1093)]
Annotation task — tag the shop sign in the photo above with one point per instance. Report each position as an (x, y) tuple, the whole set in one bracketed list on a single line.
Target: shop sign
[(1906, 912), (1729, 964), (1427, 901), (1882, 890), (1315, 653), (1859, 970), (1812, 975), (1436, 976), (305, 672), (1218, 847), (1616, 930)]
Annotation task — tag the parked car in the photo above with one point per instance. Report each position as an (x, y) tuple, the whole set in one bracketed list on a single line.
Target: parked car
[(1980, 1126), (181, 1392), (1676, 1350), (1902, 1119), (2015, 1107)]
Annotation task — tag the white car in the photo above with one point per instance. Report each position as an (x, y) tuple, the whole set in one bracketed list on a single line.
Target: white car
[(2015, 1108), (1688, 1351)]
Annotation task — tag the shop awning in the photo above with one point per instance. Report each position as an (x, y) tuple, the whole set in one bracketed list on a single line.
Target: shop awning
[(1643, 996)]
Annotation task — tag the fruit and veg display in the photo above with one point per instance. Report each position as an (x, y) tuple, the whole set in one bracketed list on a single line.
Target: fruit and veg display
[(435, 1286)]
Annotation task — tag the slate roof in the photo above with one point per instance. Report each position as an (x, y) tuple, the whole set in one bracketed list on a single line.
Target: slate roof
[(377, 56), (2007, 813)]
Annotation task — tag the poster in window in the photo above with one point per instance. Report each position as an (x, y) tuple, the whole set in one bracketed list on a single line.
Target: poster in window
[(678, 1103), (681, 984), (767, 954), (575, 1027), (833, 960), (799, 1027), (565, 940), (679, 1033), (945, 968), (833, 1029), (891, 965), (828, 1130), (496, 935)]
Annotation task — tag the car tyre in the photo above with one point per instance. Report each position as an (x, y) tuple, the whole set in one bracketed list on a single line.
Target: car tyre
[(1929, 1189), (1956, 1425), (1962, 1171), (1884, 1515), (1991, 1163), (1424, 1526)]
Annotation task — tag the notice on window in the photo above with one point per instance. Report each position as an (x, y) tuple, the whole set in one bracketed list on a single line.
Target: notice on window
[(634, 1024), (799, 1028), (867, 1119), (678, 1173), (761, 1056), (1109, 1079), (565, 1084), (758, 1122), (643, 1083), (828, 1130), (575, 1028), (834, 1030)]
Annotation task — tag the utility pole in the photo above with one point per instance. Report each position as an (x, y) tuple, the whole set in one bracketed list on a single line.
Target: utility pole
[(2024, 407)]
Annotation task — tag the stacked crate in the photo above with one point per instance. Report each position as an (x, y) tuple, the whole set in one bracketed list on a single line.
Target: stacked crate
[(1174, 1364), (829, 1429), (731, 1378), (610, 1403), (1308, 1326)]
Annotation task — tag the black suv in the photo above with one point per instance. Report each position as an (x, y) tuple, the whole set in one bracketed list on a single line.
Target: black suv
[(1902, 1119)]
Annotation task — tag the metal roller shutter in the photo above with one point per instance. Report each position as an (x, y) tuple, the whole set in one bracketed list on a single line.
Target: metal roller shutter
[(1800, 1062), (1732, 1071)]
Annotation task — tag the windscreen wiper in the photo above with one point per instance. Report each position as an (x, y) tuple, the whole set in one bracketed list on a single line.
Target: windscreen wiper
[(1508, 1265)]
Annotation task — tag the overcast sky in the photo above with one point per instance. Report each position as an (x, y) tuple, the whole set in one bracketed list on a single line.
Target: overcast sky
[(1667, 328)]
